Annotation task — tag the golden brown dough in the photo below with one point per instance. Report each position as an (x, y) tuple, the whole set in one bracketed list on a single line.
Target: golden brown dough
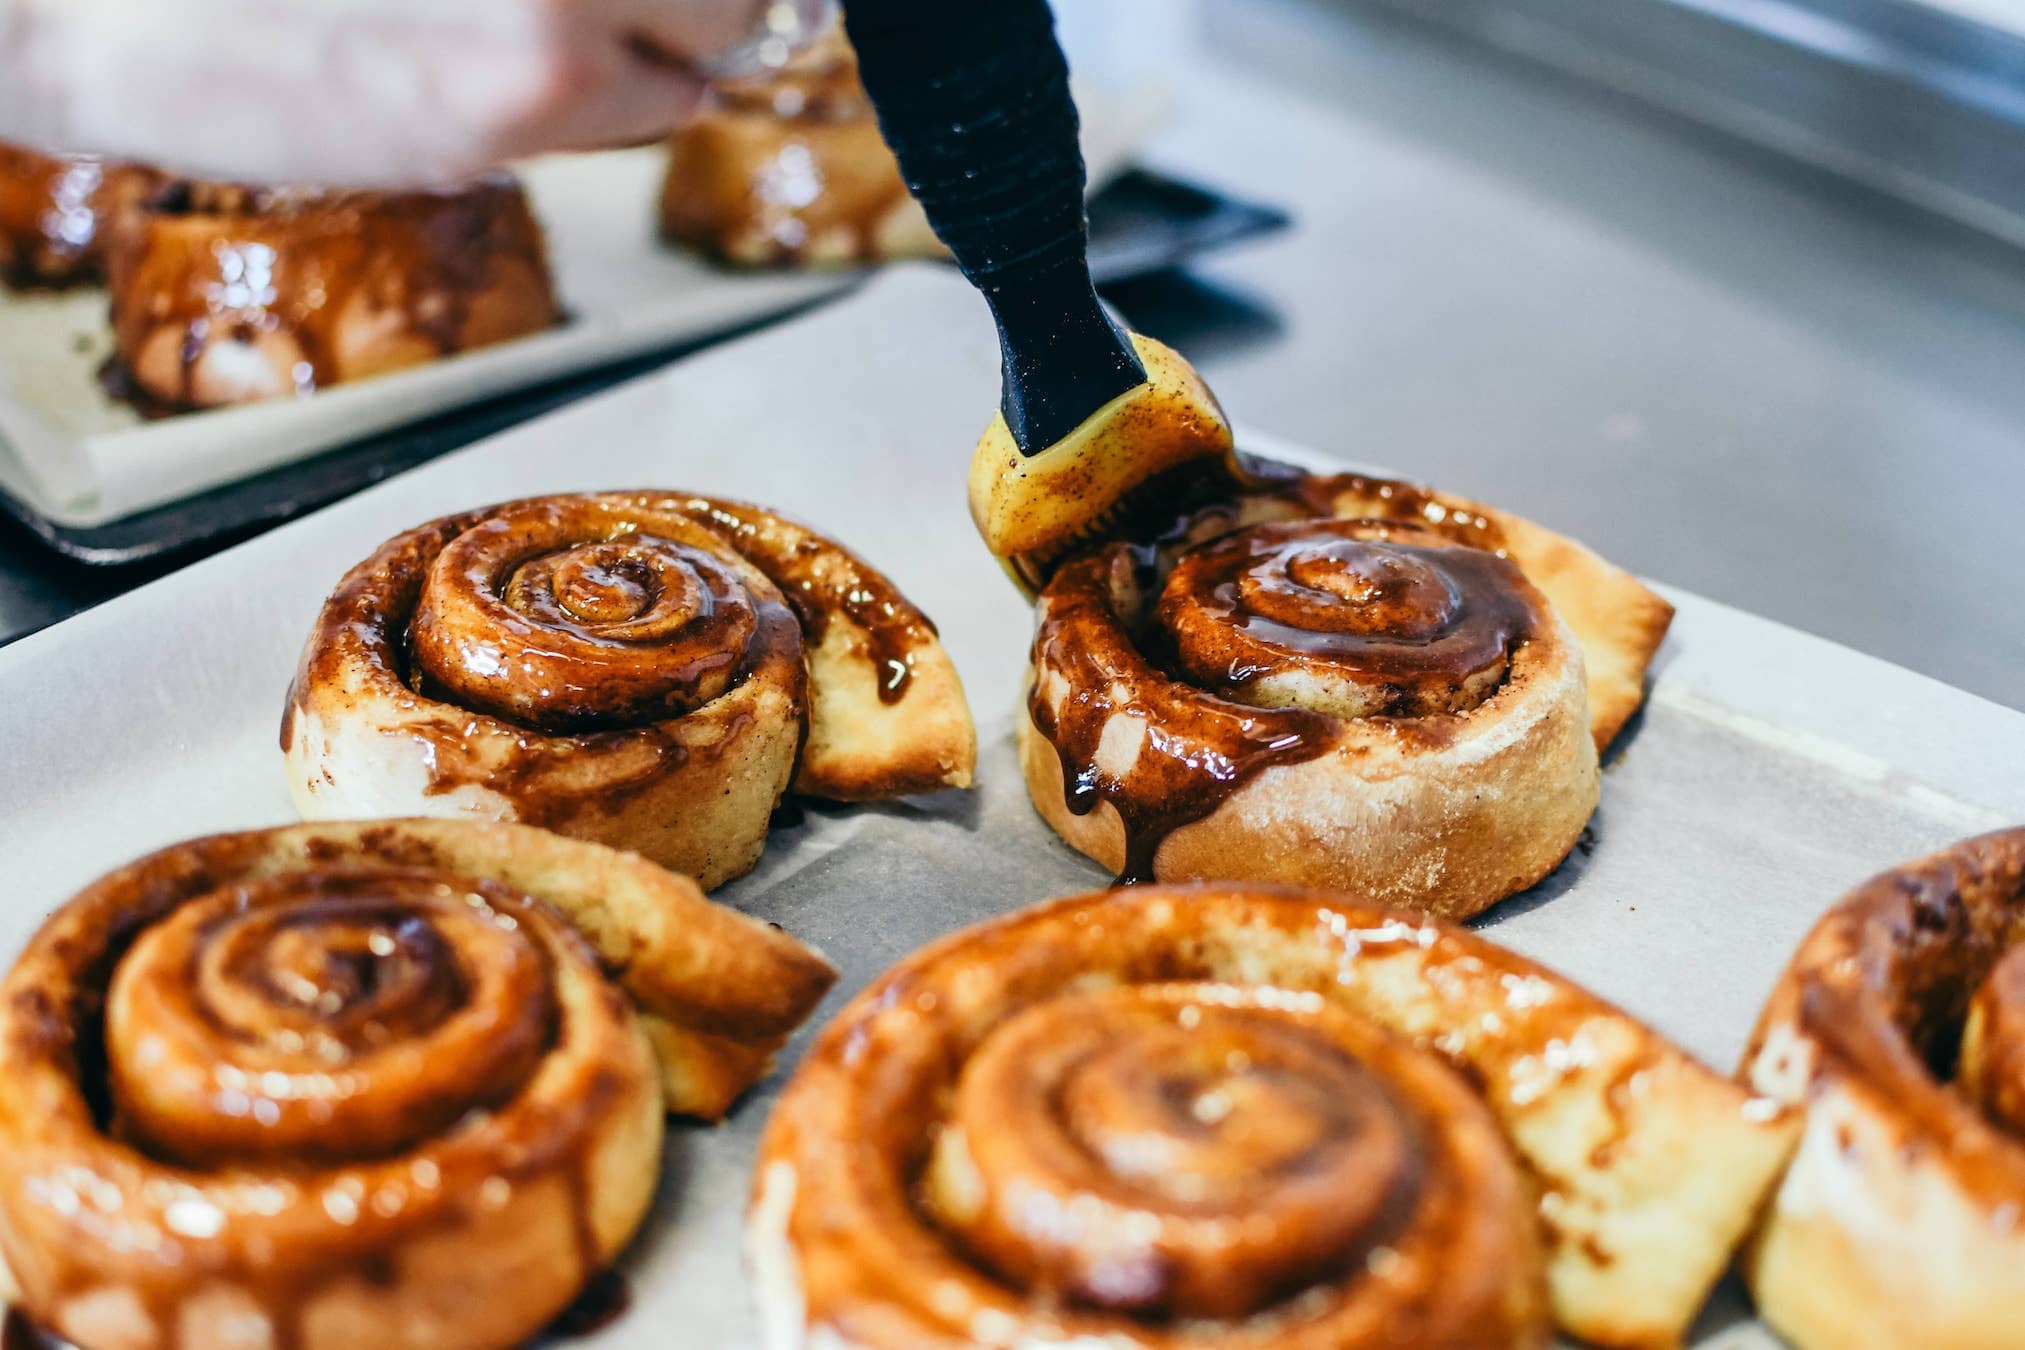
[(790, 170), (1901, 1221), (648, 670), (58, 215), (226, 295), (1218, 1116), (366, 1084)]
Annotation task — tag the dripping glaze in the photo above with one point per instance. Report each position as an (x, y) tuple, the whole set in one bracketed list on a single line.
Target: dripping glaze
[(1409, 609)]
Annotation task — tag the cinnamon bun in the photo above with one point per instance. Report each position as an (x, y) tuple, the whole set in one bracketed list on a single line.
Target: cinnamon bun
[(648, 670), (1195, 1116), (1902, 1218), (225, 295), (789, 169), (330, 1086), (1334, 681), (58, 214)]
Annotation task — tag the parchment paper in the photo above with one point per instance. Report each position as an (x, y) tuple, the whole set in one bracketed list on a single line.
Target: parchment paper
[(1770, 772)]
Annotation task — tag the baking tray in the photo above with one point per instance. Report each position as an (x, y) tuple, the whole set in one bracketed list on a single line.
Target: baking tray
[(1770, 771), (1142, 222)]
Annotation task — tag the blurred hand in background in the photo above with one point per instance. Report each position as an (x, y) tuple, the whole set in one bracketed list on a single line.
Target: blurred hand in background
[(379, 92)]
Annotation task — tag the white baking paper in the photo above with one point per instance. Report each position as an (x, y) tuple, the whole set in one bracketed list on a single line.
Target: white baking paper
[(1771, 771), (80, 457)]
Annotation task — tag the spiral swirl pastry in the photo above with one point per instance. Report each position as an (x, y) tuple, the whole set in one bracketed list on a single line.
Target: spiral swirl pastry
[(224, 295), (58, 215), (1337, 703), (1205, 1116), (1333, 681), (789, 170), (331, 1086), (647, 670), (1902, 1218)]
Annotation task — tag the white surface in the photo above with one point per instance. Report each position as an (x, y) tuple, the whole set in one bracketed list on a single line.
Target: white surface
[(1772, 771), (81, 458)]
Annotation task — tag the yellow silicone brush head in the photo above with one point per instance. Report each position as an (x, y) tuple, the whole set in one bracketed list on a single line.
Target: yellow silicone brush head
[(1034, 510)]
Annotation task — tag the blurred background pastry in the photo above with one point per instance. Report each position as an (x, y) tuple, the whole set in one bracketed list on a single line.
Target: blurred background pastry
[(59, 214), (398, 1083), (788, 169), (224, 294), (649, 670)]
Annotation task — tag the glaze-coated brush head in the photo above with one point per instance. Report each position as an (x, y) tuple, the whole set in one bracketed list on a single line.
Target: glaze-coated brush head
[(1137, 454)]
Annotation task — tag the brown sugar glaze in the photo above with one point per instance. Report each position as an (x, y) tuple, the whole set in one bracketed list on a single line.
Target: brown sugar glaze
[(327, 970), (379, 606), (1409, 602), (315, 275)]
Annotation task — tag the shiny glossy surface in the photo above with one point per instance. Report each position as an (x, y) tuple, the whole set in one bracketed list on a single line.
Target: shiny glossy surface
[(266, 1072), (224, 294), (58, 216), (1242, 648), (789, 169)]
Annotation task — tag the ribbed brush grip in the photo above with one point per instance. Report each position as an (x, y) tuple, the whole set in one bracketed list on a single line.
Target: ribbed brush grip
[(974, 99)]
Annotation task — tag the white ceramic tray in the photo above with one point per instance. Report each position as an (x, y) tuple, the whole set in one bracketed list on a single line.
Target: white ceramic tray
[(78, 457), (1771, 770)]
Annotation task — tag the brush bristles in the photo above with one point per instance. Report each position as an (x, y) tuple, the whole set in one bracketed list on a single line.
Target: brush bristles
[(1035, 569)]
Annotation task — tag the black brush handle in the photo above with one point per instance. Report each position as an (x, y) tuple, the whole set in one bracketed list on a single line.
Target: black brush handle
[(973, 96)]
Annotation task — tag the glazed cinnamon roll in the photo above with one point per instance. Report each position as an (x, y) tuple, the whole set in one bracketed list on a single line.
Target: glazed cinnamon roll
[(1205, 1116), (58, 214), (332, 1086), (790, 170), (1902, 1218), (227, 295), (648, 670), (1340, 682)]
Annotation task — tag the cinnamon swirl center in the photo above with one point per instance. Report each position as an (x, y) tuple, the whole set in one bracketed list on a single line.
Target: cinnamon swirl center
[(1344, 617), (1183, 1150), (579, 619), (327, 1016)]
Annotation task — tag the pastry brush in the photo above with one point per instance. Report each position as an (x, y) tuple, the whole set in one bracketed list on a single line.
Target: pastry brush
[(1095, 426)]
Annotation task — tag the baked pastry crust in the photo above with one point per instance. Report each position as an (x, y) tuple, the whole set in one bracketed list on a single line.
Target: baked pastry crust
[(224, 295), (682, 729), (1898, 1222), (951, 1163), (363, 1084), (239, 1078), (59, 213), (1460, 772), (789, 170)]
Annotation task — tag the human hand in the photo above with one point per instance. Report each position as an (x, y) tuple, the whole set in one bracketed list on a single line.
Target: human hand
[(369, 92)]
